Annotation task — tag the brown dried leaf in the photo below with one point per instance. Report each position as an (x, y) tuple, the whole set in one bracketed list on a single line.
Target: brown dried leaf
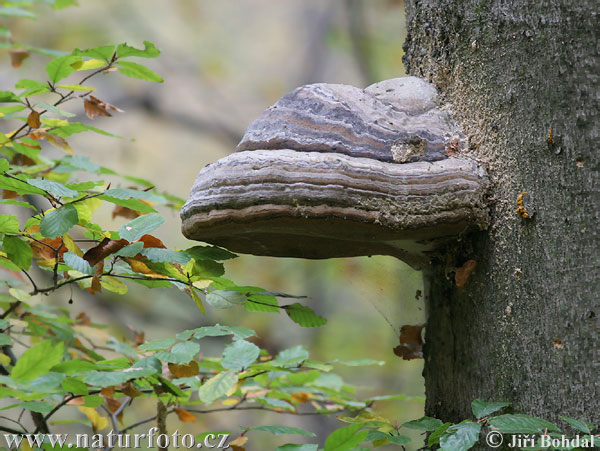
[(82, 319), (152, 241), (8, 194), (464, 272), (95, 107), (411, 342), (108, 392), (185, 416), (301, 397), (130, 390), (45, 249), (17, 57), (56, 141), (104, 249), (112, 404), (238, 443), (96, 287), (93, 110), (33, 120), (187, 370), (76, 401), (125, 212)]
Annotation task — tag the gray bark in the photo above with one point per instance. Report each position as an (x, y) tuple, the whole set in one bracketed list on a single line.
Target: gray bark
[(525, 328)]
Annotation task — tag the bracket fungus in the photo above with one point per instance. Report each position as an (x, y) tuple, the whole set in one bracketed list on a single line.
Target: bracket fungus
[(337, 171)]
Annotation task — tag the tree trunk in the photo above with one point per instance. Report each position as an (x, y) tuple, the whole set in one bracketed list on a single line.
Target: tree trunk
[(522, 79)]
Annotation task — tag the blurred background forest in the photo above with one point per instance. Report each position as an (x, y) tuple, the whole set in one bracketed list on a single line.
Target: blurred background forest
[(223, 63)]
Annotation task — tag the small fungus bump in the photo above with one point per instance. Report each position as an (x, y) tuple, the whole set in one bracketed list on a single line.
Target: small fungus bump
[(525, 207)]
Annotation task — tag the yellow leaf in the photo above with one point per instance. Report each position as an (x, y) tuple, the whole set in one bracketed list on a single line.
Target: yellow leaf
[(4, 359), (25, 446), (58, 141), (89, 64), (230, 402), (197, 300), (77, 87), (70, 244), (98, 422), (202, 283), (114, 285)]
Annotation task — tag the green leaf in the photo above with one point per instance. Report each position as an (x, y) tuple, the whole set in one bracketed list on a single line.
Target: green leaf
[(55, 110), (165, 255), (424, 424), (108, 378), (13, 11), (225, 299), (37, 361), (295, 447), (5, 340), (291, 357), (9, 224), (217, 331), (121, 347), (78, 127), (93, 400), (209, 253), (126, 193), (217, 386), (24, 150), (58, 222), (483, 409), (135, 70), (140, 226), (239, 355), (159, 344), (8, 97), (149, 51), (58, 189), (345, 438), (305, 377), (74, 386), (460, 437), (262, 303), (18, 186), (131, 250), (398, 439), (579, 425), (134, 204), (181, 353), (36, 406), (434, 437), (304, 316), (61, 67), (77, 87), (104, 52), (520, 424), (74, 366), (19, 203), (18, 251), (281, 430)]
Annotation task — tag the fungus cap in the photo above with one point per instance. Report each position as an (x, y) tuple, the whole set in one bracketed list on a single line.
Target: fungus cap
[(338, 171)]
